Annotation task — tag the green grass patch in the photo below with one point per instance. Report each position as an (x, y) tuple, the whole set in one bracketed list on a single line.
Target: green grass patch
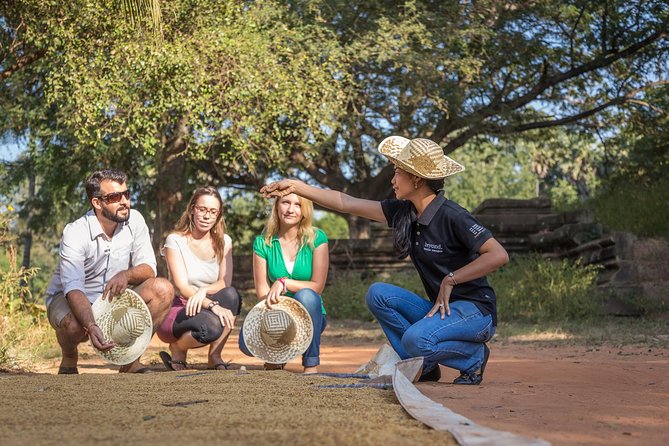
[(532, 288), (344, 297)]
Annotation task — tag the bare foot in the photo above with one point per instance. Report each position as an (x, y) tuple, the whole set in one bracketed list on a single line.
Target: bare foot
[(310, 370)]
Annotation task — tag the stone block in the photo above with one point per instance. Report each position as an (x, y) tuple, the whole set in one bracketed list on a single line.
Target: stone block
[(538, 205)]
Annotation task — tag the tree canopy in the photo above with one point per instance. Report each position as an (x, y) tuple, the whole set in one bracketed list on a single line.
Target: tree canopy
[(230, 93)]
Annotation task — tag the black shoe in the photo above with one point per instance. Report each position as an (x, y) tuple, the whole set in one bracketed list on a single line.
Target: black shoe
[(432, 375), (474, 379)]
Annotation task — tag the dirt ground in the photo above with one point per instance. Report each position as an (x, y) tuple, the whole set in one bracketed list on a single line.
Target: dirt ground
[(567, 395)]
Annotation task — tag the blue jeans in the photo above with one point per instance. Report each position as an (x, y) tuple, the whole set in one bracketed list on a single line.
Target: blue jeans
[(313, 303), (456, 341)]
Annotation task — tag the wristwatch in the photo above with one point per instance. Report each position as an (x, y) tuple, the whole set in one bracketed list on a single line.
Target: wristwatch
[(212, 304)]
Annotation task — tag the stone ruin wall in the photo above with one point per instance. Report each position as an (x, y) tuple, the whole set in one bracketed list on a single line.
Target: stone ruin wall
[(635, 268)]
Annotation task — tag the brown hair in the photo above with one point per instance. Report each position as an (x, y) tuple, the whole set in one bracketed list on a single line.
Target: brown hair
[(185, 224)]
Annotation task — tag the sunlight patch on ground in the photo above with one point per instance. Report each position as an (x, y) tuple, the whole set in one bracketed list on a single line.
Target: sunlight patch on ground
[(543, 336)]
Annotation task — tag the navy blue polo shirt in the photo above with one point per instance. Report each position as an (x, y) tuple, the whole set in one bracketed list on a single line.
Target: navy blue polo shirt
[(444, 238)]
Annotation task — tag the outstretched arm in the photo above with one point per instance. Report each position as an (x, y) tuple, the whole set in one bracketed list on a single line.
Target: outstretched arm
[(331, 199)]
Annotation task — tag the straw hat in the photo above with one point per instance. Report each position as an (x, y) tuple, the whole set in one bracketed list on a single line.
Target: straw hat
[(421, 157), (126, 320), (278, 335)]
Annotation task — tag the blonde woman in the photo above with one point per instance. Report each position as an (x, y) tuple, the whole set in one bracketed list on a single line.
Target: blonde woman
[(199, 260), (291, 258)]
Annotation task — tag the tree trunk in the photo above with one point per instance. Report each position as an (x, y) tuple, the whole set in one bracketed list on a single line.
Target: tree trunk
[(28, 236), (358, 227), (168, 190)]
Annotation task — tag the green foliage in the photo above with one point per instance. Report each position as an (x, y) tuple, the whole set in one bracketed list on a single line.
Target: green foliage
[(493, 169), (635, 205), (533, 288), (24, 331), (334, 225), (221, 99), (344, 297), (635, 194), (245, 217)]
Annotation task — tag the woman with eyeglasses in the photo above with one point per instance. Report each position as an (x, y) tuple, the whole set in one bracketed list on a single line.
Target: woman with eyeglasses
[(199, 260), (291, 258)]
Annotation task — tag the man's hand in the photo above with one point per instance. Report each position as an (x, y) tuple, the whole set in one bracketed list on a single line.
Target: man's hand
[(98, 339), (116, 285)]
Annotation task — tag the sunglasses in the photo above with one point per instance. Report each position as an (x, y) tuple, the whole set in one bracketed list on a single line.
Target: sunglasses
[(115, 197)]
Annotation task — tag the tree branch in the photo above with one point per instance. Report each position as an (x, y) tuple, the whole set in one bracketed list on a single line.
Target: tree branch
[(20, 63), (446, 126)]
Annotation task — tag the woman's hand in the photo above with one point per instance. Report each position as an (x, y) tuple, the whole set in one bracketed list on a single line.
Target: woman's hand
[(194, 304), (275, 291), (441, 303), (225, 315), (278, 189)]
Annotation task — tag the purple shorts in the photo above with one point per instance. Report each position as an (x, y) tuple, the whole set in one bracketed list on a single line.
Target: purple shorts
[(165, 331)]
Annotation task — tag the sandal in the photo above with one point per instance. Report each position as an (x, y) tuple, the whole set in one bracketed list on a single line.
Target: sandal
[(220, 366), (169, 363)]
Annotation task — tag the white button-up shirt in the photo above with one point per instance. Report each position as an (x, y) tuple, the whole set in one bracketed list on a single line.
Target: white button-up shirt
[(88, 258)]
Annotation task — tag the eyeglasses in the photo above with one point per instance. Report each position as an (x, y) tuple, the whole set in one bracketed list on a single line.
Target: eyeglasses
[(201, 210), (115, 197)]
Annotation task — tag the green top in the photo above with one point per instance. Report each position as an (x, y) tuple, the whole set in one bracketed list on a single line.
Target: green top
[(276, 267)]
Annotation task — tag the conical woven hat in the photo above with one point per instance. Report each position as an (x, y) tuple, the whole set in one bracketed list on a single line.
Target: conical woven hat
[(126, 320), (421, 157), (279, 334)]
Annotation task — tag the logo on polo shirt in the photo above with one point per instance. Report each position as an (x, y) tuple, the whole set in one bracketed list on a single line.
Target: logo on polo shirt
[(476, 229), (430, 247)]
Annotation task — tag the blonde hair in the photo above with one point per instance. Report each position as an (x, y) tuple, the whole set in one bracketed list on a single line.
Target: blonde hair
[(185, 224), (305, 233)]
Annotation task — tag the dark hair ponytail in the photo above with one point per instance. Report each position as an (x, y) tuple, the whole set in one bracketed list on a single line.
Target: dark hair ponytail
[(402, 231), (402, 222)]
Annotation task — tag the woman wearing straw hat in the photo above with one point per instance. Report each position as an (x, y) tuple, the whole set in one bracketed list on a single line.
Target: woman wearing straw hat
[(199, 260), (450, 249), (291, 258)]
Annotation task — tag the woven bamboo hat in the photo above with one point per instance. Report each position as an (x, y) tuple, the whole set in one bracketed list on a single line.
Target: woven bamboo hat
[(421, 157), (279, 334), (126, 320)]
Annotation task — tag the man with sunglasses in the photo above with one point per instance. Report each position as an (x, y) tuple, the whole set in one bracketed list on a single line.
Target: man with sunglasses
[(101, 254)]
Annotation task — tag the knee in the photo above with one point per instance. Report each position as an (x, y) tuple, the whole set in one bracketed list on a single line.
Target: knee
[(208, 331), (163, 290), (230, 298), (414, 343), (308, 298), (375, 296), (70, 330)]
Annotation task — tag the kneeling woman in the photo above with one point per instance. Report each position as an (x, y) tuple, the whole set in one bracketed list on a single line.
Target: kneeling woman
[(291, 258), (450, 249), (199, 259)]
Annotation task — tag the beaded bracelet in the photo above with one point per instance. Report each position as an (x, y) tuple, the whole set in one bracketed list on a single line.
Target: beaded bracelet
[(282, 280)]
